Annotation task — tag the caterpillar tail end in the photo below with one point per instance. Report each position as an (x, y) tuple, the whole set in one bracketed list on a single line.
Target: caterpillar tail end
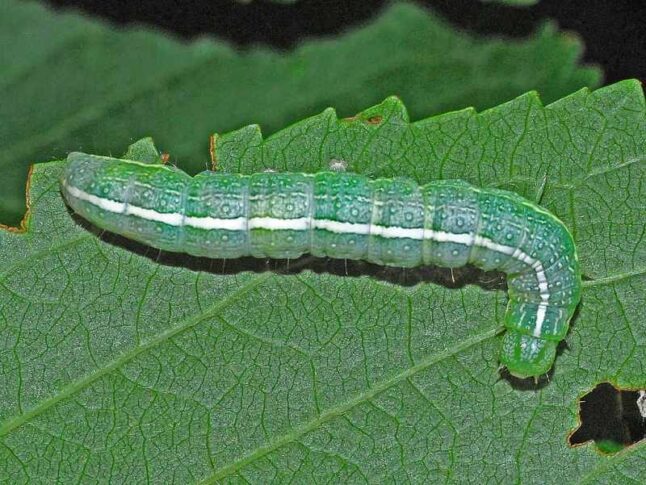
[(526, 356)]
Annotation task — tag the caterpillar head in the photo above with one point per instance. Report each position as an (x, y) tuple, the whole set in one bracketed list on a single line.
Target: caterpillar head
[(526, 356)]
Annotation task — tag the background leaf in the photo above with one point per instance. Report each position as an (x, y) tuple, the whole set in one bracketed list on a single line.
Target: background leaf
[(120, 367), (71, 84)]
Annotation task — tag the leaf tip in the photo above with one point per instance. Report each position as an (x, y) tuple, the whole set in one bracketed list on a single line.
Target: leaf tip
[(145, 151), (392, 109)]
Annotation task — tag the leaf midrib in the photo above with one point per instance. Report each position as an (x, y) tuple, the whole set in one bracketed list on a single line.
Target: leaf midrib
[(69, 390), (346, 406), (333, 412), (14, 423), (17, 421)]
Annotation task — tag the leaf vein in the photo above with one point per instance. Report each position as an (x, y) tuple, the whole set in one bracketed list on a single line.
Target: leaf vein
[(346, 406), (69, 390)]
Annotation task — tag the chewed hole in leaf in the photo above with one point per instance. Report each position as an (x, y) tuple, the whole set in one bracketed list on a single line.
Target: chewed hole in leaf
[(611, 418)]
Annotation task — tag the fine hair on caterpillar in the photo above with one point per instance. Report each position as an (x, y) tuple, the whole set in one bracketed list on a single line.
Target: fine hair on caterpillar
[(452, 278)]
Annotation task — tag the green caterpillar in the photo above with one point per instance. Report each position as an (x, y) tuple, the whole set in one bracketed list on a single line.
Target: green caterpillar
[(393, 222)]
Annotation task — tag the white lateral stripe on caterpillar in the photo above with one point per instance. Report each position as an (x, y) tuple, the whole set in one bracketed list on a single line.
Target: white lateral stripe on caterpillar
[(304, 223), (276, 224)]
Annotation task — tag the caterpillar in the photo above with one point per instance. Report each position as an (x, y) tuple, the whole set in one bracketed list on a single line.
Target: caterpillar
[(387, 221)]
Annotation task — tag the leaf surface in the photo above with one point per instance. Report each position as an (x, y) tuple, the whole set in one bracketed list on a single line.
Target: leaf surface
[(71, 84), (121, 365)]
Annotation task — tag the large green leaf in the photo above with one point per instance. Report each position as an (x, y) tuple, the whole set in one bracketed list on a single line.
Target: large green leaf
[(121, 365), (71, 84)]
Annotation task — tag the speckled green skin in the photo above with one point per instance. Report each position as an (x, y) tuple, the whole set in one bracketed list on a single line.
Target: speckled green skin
[(452, 207)]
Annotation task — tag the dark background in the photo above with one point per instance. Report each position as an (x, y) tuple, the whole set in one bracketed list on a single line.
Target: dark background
[(613, 31)]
